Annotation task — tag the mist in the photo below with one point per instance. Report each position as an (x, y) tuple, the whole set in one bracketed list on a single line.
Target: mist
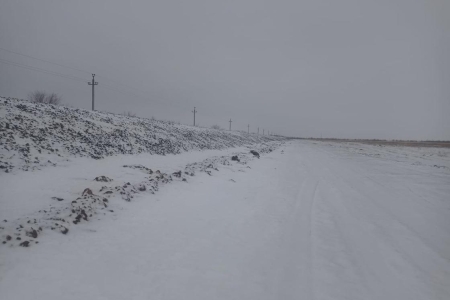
[(341, 69)]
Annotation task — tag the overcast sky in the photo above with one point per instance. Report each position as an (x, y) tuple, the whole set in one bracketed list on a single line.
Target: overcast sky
[(347, 68)]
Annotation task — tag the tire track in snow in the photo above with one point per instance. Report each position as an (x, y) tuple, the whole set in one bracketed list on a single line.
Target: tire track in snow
[(393, 244)]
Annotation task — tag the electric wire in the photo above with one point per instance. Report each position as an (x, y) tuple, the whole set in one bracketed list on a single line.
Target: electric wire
[(36, 69), (72, 68), (43, 60)]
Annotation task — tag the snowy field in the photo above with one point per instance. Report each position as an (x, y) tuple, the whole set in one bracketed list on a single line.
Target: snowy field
[(308, 220)]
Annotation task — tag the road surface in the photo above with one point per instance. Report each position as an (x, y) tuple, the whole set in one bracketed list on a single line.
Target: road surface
[(307, 221)]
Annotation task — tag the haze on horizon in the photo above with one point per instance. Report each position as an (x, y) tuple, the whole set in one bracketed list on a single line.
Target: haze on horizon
[(342, 69)]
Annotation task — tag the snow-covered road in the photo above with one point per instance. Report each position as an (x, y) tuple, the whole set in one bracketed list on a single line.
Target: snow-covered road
[(307, 221)]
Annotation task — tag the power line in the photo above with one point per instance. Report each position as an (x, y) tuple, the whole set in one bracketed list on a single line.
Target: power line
[(71, 77), (43, 60), (72, 68), (36, 69), (126, 93), (61, 75), (65, 76), (129, 90), (79, 79), (123, 84)]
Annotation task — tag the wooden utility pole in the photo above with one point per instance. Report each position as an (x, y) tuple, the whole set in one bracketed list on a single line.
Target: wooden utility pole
[(258, 130), (194, 114), (230, 124), (93, 83), (248, 128)]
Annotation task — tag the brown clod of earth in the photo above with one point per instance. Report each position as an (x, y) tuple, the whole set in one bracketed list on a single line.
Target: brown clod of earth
[(102, 179), (24, 244), (32, 233), (87, 191)]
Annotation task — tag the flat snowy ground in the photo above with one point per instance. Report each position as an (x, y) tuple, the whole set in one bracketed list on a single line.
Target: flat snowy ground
[(310, 220)]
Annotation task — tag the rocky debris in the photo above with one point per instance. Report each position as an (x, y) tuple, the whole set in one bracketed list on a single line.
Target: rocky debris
[(212, 164), (57, 198), (25, 244), (32, 233), (87, 191), (106, 190), (103, 179), (93, 203), (436, 166), (33, 136), (140, 167), (207, 165), (256, 154)]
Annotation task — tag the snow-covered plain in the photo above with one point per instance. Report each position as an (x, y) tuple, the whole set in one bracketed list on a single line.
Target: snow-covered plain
[(309, 220)]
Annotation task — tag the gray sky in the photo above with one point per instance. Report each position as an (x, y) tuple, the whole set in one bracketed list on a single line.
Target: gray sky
[(348, 68)]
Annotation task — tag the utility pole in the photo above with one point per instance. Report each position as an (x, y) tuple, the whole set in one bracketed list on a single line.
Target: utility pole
[(258, 130), (230, 124), (248, 128), (194, 114), (263, 131), (93, 83)]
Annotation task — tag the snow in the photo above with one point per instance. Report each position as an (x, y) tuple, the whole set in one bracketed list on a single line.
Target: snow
[(79, 193), (34, 136), (308, 220), (70, 178), (78, 143)]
